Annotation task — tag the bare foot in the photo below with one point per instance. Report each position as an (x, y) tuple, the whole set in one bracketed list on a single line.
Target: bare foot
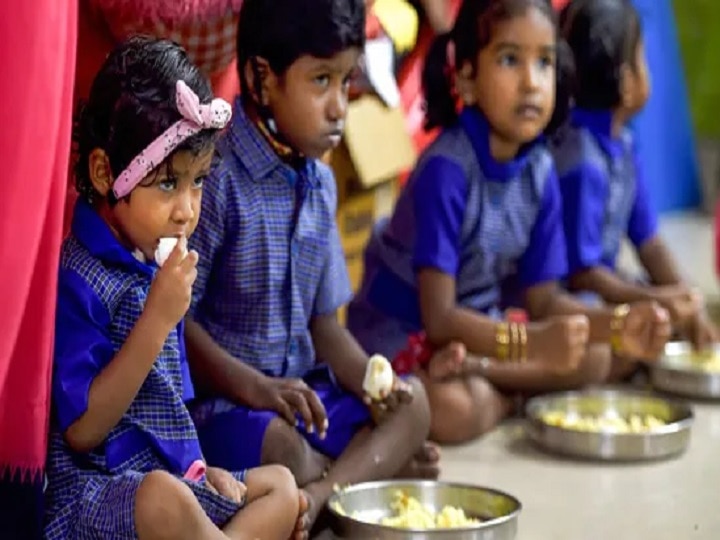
[(448, 361), (316, 495), (424, 464), (300, 533)]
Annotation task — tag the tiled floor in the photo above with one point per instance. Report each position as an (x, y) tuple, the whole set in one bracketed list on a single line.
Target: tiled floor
[(568, 500)]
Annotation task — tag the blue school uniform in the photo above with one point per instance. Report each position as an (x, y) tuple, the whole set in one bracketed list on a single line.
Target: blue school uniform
[(494, 227), (604, 194), (102, 289), (270, 260)]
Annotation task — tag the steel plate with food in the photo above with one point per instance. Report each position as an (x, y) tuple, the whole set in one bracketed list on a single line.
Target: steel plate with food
[(423, 510), (609, 424), (685, 372)]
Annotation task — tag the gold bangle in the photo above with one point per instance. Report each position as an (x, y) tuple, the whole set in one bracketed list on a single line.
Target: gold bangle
[(502, 340), (514, 342), (523, 343), (617, 325)]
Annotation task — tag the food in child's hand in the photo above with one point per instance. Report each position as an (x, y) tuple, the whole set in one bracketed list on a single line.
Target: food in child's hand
[(379, 377), (635, 423), (165, 248), (409, 513)]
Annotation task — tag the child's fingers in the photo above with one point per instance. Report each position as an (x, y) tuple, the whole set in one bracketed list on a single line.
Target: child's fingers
[(664, 329), (399, 385), (317, 409), (189, 262), (659, 338), (694, 298), (298, 402), (405, 395), (177, 254), (241, 491), (284, 409), (704, 334), (404, 392), (660, 314), (231, 488), (209, 485), (190, 277), (391, 401), (696, 337)]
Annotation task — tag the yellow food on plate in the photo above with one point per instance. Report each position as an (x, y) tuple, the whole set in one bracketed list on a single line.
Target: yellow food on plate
[(706, 360), (409, 513), (635, 423)]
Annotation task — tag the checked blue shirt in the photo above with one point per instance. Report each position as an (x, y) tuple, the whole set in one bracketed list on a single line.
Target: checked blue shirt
[(270, 253)]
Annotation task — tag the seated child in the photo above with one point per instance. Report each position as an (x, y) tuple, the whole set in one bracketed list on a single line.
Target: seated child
[(285, 380), (124, 458), (478, 227), (605, 195)]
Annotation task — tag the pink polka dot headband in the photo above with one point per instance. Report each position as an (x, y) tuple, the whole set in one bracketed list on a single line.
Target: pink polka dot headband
[(195, 118)]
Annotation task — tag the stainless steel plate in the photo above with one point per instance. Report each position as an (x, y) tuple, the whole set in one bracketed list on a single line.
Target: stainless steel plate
[(365, 504), (676, 373), (662, 442)]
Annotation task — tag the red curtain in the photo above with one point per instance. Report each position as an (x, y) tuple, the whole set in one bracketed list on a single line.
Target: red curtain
[(37, 58)]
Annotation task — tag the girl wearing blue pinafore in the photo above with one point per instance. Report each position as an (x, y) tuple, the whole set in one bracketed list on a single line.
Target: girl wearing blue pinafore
[(478, 229), (124, 459), (601, 179)]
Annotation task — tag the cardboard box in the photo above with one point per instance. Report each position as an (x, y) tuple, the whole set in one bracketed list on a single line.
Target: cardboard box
[(376, 149)]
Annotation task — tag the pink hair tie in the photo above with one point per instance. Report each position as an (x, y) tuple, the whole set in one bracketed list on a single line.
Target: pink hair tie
[(195, 117)]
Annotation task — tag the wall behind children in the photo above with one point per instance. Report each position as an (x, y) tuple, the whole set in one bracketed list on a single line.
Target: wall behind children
[(698, 22), (664, 128)]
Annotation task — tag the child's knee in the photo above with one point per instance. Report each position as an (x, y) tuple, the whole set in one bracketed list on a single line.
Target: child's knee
[(165, 508), (464, 409), (283, 445), (277, 482), (453, 412), (279, 478)]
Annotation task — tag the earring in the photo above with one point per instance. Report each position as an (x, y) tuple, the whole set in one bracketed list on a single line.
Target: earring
[(272, 126)]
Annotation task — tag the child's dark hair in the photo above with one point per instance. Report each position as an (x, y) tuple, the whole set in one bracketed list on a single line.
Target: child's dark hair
[(471, 33), (281, 31), (603, 36), (131, 103)]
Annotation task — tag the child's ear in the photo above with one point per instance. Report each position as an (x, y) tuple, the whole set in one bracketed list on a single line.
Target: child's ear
[(465, 83), (99, 171), (259, 78)]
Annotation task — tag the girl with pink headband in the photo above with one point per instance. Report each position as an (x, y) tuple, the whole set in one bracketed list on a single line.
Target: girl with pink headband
[(124, 458)]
